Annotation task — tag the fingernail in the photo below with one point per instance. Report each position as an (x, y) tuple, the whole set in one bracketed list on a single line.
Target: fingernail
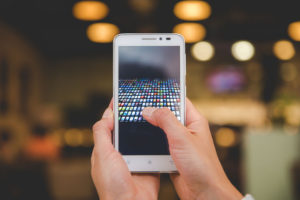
[(147, 112), (107, 113)]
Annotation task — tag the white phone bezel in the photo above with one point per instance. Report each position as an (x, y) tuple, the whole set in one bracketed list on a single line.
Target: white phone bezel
[(147, 163)]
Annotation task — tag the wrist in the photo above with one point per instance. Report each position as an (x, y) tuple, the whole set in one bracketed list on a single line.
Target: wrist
[(221, 191)]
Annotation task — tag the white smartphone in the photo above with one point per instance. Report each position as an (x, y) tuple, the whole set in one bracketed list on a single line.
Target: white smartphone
[(148, 71)]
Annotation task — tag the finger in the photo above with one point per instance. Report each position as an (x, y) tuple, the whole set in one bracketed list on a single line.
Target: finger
[(92, 158), (102, 131), (194, 120), (108, 117), (103, 147), (111, 103), (167, 121)]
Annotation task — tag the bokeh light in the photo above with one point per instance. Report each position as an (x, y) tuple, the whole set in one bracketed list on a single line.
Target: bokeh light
[(192, 10), (284, 50), (294, 30), (192, 32), (292, 114), (242, 50), (88, 138), (102, 32), (90, 10), (234, 111), (73, 137), (225, 137), (203, 51)]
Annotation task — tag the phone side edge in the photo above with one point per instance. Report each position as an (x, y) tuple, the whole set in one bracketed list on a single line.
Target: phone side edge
[(182, 78), (115, 136)]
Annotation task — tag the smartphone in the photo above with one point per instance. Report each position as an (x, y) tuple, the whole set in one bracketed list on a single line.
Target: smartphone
[(148, 71)]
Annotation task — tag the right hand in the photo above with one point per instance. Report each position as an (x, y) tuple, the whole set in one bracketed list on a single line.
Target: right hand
[(201, 175)]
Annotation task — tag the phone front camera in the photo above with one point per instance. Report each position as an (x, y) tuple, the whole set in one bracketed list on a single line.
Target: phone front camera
[(160, 38)]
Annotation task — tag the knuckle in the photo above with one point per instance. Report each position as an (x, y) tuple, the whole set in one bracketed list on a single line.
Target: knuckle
[(96, 153), (98, 125), (203, 120), (92, 160), (92, 172)]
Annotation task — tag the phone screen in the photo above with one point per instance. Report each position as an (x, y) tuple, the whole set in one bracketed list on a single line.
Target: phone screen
[(149, 76)]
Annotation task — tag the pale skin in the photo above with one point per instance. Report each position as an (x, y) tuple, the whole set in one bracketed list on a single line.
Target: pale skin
[(200, 173)]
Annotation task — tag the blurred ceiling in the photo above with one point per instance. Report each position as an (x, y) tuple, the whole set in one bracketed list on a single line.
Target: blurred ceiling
[(51, 27)]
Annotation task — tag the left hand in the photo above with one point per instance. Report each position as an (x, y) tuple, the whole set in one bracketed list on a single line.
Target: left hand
[(110, 172)]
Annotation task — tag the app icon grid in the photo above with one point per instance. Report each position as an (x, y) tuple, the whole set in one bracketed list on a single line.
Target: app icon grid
[(136, 94)]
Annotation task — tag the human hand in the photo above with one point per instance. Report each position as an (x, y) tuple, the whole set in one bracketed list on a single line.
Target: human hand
[(201, 175), (109, 171)]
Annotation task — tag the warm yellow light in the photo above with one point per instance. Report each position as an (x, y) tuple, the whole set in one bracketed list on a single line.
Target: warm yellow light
[(203, 51), (88, 138), (292, 114), (242, 50), (192, 10), (90, 10), (102, 32), (294, 30), (225, 137), (192, 32), (73, 137), (284, 50)]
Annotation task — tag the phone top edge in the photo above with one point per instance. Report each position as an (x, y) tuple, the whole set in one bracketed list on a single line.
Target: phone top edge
[(156, 172), (120, 36)]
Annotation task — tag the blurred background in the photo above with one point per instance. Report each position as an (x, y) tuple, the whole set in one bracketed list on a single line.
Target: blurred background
[(243, 67)]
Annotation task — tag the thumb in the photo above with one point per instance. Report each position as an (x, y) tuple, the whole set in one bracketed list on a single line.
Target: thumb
[(166, 120)]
